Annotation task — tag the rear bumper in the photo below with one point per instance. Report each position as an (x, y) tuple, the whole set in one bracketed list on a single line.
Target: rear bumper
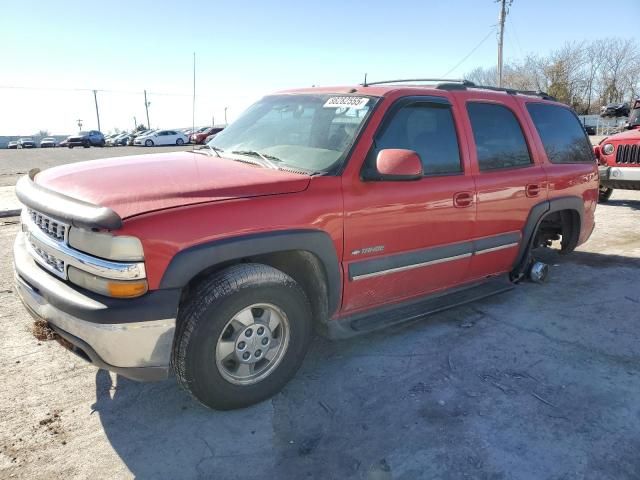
[(131, 337), (625, 178)]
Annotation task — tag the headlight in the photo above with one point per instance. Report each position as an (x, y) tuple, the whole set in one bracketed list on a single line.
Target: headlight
[(607, 149), (105, 286), (104, 245)]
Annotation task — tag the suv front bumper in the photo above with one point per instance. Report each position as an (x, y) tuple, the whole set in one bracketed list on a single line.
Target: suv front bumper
[(624, 178), (132, 337)]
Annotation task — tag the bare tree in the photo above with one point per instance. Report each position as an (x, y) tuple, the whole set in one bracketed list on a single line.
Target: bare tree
[(618, 75), (483, 76), (583, 75)]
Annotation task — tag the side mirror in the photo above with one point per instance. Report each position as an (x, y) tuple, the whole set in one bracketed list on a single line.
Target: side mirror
[(396, 164)]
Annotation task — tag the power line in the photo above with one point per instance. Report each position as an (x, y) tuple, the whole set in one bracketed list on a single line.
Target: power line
[(103, 90), (491, 31)]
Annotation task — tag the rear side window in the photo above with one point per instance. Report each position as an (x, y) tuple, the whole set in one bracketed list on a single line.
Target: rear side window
[(427, 129), (499, 139), (561, 133)]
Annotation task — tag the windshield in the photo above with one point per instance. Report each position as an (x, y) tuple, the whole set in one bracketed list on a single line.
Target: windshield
[(309, 132)]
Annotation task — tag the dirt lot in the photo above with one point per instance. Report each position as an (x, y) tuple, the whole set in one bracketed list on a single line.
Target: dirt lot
[(14, 163), (542, 382)]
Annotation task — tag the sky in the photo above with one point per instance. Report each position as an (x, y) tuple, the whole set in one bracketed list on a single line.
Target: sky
[(59, 53)]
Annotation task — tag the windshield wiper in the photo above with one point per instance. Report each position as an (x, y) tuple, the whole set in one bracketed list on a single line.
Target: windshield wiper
[(215, 150), (267, 159)]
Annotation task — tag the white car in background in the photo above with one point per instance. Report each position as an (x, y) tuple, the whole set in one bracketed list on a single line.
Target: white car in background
[(161, 137), (48, 142)]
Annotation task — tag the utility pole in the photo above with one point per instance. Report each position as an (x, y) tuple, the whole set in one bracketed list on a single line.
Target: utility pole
[(135, 123), (193, 104), (146, 107), (501, 18), (95, 99), (225, 115), (79, 124)]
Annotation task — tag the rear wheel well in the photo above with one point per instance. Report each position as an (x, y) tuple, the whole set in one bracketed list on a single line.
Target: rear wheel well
[(303, 266), (561, 225)]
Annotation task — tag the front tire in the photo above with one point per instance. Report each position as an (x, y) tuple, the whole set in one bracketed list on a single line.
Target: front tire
[(604, 194), (179, 142), (241, 336), (148, 143)]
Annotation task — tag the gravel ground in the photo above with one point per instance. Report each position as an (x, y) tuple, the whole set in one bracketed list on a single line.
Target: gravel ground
[(14, 163), (539, 383)]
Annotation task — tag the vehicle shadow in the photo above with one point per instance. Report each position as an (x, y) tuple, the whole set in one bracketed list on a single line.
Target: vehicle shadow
[(633, 204), (400, 397), (159, 431), (590, 259)]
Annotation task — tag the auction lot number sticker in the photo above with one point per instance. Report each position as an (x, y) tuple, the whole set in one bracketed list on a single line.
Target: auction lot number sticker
[(346, 102)]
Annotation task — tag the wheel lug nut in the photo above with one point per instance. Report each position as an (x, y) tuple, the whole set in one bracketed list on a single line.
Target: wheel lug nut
[(246, 355), (260, 330), (248, 332), (265, 341), (258, 353), (241, 345)]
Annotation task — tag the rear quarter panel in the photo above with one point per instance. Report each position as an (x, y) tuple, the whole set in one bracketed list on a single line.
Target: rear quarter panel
[(568, 180)]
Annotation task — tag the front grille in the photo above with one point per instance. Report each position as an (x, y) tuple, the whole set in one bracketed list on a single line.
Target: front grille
[(628, 155), (53, 228), (55, 264)]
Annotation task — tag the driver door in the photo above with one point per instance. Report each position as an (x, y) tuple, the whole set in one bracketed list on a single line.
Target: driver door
[(408, 239)]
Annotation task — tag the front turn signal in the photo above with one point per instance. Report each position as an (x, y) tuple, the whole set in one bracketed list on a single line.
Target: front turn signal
[(127, 289)]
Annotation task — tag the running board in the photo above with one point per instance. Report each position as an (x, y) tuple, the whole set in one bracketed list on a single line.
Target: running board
[(405, 312)]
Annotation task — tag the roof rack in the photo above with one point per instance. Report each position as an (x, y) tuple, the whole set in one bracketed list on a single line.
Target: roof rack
[(510, 91), (461, 84), (429, 80)]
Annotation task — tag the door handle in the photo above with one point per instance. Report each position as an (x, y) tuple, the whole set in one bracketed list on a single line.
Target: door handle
[(463, 199), (532, 190)]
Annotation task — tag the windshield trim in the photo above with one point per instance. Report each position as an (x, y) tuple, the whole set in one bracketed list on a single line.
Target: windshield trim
[(339, 167)]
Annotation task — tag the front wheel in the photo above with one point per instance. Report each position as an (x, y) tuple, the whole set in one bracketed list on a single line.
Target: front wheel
[(604, 194), (179, 141), (241, 336), (148, 143)]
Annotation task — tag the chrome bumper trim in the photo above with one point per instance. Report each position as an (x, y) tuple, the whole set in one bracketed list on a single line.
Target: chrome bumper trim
[(625, 174), (136, 344)]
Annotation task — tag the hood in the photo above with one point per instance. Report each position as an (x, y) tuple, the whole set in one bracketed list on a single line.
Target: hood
[(144, 183), (628, 136)]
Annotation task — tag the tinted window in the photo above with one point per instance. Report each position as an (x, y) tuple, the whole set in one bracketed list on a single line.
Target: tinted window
[(499, 139), (561, 133), (426, 128)]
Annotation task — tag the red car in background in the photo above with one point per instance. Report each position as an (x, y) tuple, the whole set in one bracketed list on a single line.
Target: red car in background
[(201, 135), (619, 158)]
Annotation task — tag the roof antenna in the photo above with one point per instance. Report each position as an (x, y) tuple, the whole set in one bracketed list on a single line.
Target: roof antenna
[(365, 80)]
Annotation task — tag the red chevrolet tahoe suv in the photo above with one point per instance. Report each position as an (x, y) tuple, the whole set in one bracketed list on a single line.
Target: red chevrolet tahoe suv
[(619, 158), (337, 209)]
